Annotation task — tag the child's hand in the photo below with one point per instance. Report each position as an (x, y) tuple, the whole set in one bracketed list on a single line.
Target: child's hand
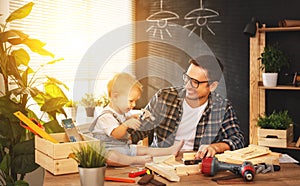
[(146, 114), (132, 123)]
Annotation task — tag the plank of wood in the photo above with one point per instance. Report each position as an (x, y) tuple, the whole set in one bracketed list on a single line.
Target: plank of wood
[(167, 172), (159, 159), (248, 152), (255, 154), (188, 169), (188, 155)]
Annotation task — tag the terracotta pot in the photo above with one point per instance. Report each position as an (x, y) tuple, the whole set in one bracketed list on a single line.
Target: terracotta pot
[(90, 111)]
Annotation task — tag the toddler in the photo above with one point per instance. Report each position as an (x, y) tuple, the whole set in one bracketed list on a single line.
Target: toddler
[(113, 122)]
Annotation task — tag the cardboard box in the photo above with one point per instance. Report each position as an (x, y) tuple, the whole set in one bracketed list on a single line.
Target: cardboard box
[(54, 156), (275, 138)]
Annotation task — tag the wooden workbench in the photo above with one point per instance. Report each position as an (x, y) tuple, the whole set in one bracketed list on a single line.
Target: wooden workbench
[(288, 175)]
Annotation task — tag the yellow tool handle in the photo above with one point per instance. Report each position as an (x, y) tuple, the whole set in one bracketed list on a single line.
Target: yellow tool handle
[(34, 127)]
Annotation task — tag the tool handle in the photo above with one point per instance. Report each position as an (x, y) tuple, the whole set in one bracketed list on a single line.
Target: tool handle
[(137, 173), (106, 178)]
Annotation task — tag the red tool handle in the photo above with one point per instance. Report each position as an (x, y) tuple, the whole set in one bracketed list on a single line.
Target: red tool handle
[(137, 173), (119, 179)]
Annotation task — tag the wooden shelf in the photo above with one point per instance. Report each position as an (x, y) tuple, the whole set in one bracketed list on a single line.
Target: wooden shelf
[(257, 92), (278, 29), (279, 87), (293, 146)]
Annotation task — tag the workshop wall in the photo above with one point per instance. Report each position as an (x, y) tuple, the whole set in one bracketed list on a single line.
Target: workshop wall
[(224, 36)]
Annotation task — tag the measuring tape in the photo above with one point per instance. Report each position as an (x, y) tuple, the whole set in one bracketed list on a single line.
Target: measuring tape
[(34, 127)]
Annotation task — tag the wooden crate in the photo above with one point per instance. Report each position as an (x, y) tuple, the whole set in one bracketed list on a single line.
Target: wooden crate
[(275, 138), (54, 157)]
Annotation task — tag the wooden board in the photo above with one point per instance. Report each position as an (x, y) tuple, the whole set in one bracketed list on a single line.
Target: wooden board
[(165, 171), (168, 167), (188, 169), (56, 166), (254, 153)]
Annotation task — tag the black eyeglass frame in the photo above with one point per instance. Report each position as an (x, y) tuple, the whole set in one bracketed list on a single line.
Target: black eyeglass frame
[(191, 80)]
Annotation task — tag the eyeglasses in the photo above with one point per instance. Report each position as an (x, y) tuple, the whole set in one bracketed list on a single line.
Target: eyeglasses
[(193, 82)]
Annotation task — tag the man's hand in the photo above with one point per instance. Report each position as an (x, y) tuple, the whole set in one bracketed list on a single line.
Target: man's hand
[(132, 123), (211, 150), (205, 151)]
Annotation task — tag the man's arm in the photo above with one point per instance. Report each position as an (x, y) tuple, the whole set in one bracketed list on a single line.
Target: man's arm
[(230, 137)]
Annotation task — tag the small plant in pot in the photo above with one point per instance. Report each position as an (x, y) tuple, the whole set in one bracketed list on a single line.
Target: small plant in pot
[(273, 59), (275, 129), (91, 159), (89, 102)]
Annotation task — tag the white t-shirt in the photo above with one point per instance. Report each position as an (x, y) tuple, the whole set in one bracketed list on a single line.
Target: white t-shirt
[(188, 125), (107, 123)]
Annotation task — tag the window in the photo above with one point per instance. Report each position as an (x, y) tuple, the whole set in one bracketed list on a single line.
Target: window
[(69, 29)]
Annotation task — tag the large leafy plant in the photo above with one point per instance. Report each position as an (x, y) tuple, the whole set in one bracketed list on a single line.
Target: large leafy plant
[(16, 143)]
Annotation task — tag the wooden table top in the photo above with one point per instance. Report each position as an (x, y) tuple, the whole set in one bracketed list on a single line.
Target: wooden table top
[(288, 175)]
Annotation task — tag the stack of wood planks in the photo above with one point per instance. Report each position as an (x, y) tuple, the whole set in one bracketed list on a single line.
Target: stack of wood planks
[(254, 153)]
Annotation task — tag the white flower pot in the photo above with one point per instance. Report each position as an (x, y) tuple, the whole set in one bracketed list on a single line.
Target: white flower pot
[(270, 79)]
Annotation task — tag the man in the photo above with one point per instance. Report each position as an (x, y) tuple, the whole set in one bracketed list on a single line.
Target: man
[(195, 113)]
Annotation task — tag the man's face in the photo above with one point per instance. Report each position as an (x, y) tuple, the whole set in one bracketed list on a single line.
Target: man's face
[(196, 76)]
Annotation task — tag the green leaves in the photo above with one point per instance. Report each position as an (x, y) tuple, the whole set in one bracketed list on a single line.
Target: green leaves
[(23, 154), (273, 59), (90, 155), (276, 120), (16, 153), (36, 46), (20, 13)]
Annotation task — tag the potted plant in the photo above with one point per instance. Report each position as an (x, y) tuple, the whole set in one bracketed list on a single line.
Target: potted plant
[(16, 143), (89, 102), (103, 101), (91, 159), (272, 61), (71, 109), (275, 130)]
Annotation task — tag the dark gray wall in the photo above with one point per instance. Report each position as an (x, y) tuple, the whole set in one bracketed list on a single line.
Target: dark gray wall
[(232, 47)]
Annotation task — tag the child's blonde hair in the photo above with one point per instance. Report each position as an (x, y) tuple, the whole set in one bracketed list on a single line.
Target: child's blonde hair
[(123, 83)]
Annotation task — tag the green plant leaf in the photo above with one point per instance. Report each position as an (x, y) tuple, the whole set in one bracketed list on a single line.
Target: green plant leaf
[(90, 155), (276, 120), (55, 81), (21, 57), (53, 104), (9, 124), (14, 37), (21, 183), (36, 46), (23, 154), (55, 61), (53, 127), (5, 163), (20, 13)]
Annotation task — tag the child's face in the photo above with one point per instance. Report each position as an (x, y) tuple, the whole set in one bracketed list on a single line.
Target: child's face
[(126, 102)]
